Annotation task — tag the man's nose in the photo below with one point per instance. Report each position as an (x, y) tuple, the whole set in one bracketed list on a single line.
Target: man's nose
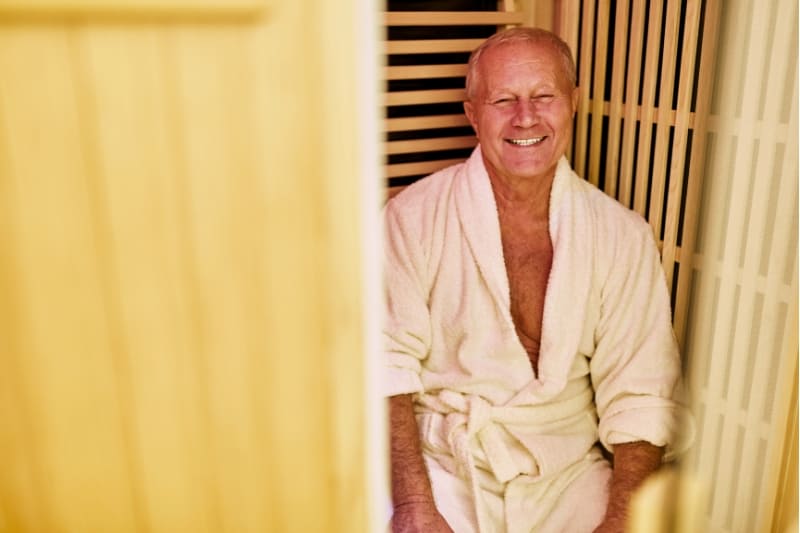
[(525, 114)]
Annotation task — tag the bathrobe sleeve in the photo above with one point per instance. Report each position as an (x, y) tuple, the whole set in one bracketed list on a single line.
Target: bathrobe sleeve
[(635, 368), (407, 327)]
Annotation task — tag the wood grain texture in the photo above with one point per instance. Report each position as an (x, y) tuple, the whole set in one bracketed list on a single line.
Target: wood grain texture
[(182, 339)]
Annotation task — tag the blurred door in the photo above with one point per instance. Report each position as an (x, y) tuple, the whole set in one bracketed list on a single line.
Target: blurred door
[(181, 265)]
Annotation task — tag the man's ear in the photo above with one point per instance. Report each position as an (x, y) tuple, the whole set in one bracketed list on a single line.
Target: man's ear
[(469, 110)]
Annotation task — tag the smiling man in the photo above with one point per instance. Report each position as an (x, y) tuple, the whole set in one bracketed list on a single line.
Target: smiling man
[(528, 323)]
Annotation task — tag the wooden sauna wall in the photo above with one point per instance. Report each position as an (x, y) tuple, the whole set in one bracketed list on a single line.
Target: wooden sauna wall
[(688, 115)]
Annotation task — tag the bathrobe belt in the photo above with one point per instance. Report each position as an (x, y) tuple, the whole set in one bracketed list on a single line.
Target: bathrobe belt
[(471, 416)]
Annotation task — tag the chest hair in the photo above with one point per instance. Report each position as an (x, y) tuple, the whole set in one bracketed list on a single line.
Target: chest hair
[(528, 255)]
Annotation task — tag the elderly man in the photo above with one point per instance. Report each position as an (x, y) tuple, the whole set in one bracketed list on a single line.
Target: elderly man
[(528, 322)]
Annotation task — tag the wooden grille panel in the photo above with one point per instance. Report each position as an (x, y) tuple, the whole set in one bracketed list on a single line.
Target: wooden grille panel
[(427, 51)]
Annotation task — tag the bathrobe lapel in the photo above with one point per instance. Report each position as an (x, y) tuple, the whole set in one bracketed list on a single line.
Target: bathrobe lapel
[(569, 284)]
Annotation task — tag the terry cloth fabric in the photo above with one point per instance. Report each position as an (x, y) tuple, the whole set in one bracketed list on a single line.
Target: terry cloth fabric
[(608, 364)]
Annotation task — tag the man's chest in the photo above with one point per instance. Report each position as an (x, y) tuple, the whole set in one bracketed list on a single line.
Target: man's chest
[(528, 256)]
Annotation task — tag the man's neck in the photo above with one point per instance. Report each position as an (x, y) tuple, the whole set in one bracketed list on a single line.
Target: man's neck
[(528, 197)]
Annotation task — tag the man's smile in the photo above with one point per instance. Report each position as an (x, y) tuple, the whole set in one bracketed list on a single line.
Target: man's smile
[(526, 142)]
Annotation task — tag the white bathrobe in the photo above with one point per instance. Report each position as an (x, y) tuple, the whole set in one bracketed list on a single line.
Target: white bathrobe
[(507, 450)]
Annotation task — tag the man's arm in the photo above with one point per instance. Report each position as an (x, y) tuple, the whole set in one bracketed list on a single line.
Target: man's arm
[(414, 508), (633, 462)]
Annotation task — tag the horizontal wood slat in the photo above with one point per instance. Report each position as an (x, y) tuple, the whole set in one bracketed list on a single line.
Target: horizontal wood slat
[(652, 116), (432, 46), (430, 145), (424, 71), (425, 123), (434, 96), (424, 167), (452, 18)]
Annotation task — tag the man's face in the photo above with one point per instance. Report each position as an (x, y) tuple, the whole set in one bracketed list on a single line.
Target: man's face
[(522, 111)]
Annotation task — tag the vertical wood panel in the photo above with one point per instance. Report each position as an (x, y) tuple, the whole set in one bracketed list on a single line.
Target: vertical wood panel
[(677, 163), (647, 115), (627, 172), (22, 490), (218, 144), (138, 188), (658, 176), (66, 376), (185, 352), (567, 13), (343, 248), (584, 58), (598, 84), (565, 24), (617, 96), (710, 31)]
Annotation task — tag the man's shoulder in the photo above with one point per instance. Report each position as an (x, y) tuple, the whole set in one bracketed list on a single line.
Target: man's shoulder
[(425, 193), (609, 212)]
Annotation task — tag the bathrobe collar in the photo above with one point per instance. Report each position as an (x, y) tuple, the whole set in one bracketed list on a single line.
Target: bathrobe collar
[(569, 284)]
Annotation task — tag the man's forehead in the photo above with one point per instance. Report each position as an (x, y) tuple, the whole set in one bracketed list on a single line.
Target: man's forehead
[(512, 57), (521, 51)]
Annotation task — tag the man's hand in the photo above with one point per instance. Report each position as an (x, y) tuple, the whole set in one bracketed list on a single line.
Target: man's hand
[(418, 517)]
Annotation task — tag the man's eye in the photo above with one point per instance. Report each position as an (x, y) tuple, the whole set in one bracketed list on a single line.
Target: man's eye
[(504, 100), (543, 97)]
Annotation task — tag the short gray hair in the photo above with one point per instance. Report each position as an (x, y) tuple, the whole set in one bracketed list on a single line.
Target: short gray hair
[(521, 35)]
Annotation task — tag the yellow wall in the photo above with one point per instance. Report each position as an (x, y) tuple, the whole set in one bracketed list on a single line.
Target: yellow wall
[(180, 281)]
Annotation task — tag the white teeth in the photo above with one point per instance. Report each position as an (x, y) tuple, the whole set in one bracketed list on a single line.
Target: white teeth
[(526, 142)]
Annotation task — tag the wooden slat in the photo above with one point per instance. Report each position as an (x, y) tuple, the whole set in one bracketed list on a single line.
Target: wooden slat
[(642, 174), (697, 163), (432, 46), (670, 116), (632, 110), (599, 84), (433, 96), (617, 94), (509, 6), (713, 268), (424, 167), (733, 125), (584, 81), (452, 18), (658, 176), (424, 71), (677, 165), (424, 123), (429, 145), (567, 13)]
